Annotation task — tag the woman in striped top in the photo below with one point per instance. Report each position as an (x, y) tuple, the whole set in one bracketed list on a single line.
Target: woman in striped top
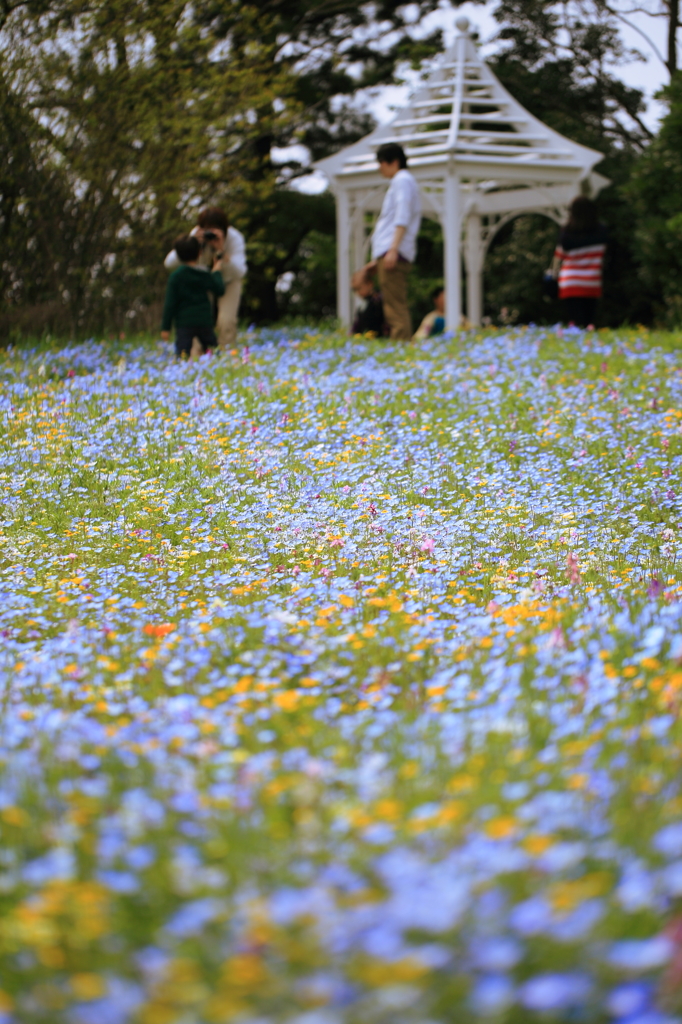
[(579, 258)]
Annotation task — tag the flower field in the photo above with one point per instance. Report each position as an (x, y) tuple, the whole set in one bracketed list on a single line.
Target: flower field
[(341, 682)]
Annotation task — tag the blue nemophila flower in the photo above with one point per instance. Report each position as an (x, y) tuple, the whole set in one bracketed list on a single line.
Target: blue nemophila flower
[(332, 670), (548, 992), (639, 955)]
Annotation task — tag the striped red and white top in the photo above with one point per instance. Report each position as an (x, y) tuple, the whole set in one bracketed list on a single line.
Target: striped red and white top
[(582, 260)]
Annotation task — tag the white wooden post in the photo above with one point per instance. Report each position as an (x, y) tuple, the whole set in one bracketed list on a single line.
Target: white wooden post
[(358, 237), (452, 232), (357, 247), (474, 264), (343, 298)]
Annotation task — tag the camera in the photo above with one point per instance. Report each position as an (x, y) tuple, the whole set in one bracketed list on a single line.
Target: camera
[(210, 236)]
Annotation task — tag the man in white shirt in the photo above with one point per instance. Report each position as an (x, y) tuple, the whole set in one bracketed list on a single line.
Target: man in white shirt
[(217, 236), (394, 242)]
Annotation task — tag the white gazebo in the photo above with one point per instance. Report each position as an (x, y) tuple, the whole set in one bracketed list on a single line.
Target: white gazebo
[(480, 160)]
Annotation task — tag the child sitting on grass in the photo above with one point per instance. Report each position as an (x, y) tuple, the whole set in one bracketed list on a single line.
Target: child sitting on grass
[(187, 302), (433, 322)]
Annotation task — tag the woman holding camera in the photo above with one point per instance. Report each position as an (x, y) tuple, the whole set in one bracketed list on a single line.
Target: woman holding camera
[(218, 238)]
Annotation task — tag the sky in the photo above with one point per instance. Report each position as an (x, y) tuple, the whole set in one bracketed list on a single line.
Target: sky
[(648, 75)]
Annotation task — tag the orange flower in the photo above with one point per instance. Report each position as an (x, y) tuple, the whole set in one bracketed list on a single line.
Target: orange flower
[(163, 629)]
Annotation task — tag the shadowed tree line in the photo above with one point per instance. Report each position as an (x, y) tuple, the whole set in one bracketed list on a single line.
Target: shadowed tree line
[(119, 119)]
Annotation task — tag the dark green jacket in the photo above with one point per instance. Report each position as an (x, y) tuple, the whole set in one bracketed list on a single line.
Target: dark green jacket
[(187, 302)]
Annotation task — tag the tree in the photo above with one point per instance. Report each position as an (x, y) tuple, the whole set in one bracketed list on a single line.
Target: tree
[(656, 195), (132, 114), (332, 49), (126, 116), (669, 10), (561, 67)]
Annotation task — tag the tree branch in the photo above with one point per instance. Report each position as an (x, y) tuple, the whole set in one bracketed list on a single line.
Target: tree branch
[(635, 28)]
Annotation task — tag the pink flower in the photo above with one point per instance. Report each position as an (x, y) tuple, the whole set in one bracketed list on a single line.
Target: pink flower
[(427, 544), (572, 568)]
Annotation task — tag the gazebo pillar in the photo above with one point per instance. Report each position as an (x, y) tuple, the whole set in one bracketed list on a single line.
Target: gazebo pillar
[(536, 169), (452, 236), (357, 246), (474, 264), (343, 232)]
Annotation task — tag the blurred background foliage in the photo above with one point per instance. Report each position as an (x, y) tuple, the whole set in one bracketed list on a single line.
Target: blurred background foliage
[(120, 119)]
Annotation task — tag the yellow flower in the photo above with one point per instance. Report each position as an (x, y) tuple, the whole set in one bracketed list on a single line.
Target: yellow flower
[(87, 986), (287, 700), (502, 827)]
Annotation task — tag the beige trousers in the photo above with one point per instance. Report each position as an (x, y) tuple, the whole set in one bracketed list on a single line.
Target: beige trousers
[(393, 285), (228, 310)]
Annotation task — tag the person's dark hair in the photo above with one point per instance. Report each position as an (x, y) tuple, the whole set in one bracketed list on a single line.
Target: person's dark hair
[(187, 247), (213, 217), (583, 214), (390, 152), (436, 292)]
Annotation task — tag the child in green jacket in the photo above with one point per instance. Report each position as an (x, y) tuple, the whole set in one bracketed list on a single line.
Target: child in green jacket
[(187, 302)]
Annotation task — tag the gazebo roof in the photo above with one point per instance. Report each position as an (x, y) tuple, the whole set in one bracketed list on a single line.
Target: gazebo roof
[(463, 117)]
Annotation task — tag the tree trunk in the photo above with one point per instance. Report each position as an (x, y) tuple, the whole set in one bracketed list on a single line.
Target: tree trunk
[(673, 24)]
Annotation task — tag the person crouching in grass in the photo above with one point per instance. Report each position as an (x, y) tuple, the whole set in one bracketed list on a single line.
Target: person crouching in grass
[(369, 316), (187, 302)]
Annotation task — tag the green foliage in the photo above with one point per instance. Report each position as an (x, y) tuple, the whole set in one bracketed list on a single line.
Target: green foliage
[(278, 233), (313, 291), (515, 263), (559, 62), (129, 115), (120, 119), (428, 270), (656, 194)]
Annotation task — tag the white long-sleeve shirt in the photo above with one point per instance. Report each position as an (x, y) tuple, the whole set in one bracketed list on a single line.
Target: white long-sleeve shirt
[(402, 208), (234, 258)]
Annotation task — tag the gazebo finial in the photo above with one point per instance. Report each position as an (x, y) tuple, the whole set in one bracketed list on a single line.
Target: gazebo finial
[(462, 24)]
